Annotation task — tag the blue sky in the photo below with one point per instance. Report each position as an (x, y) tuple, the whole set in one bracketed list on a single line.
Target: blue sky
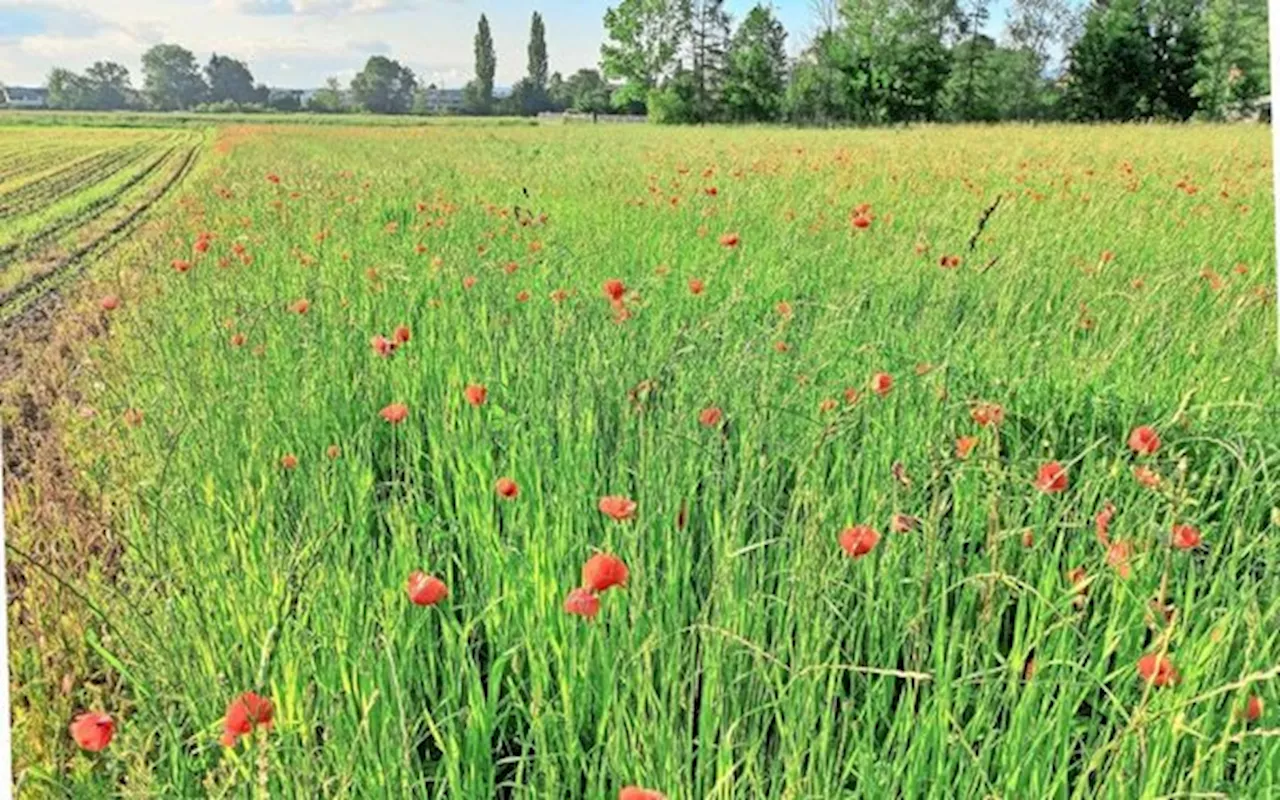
[(298, 43)]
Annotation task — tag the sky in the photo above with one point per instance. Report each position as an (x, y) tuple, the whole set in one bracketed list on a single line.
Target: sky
[(300, 43)]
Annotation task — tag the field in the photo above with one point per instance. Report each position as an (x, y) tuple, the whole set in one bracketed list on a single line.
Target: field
[(72, 194), (934, 496)]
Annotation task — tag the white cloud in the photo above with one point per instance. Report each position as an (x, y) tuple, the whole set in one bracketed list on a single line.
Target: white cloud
[(313, 7), (294, 43)]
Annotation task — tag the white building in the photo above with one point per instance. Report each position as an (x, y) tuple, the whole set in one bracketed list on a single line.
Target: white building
[(23, 97), (443, 101)]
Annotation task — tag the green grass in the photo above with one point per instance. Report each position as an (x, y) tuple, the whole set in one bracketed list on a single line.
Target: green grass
[(748, 656)]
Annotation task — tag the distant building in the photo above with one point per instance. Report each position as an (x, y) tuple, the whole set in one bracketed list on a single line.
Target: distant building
[(579, 116), (443, 101), (23, 97)]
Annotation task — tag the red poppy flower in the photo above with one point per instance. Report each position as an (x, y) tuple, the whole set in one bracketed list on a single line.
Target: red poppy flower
[(729, 240), (1157, 670), (93, 730), (1147, 477), (636, 793), (784, 309), (110, 303), (1144, 440), (1253, 708), (179, 265), (395, 413), (617, 506), (468, 281), (711, 191), (201, 246), (851, 395), (425, 590), (1051, 478), (949, 262), (965, 445), (614, 290), (401, 334), (1118, 557), (243, 714), (881, 383), (506, 488), (986, 414), (522, 296), (1102, 523), (382, 345), (859, 540), (333, 452), (302, 306), (1028, 538), (274, 178), (711, 417), (476, 394), (828, 405), (581, 602), (289, 461), (237, 340), (861, 221), (696, 286), (1185, 537), (133, 417), (603, 571)]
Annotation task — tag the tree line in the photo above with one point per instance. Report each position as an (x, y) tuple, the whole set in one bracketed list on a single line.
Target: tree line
[(870, 62)]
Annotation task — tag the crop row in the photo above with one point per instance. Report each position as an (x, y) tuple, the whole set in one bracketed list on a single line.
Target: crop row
[(30, 273), (31, 197)]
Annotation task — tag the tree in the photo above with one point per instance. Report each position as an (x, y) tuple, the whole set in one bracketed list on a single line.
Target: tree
[(1112, 66), (230, 81), (756, 75), (67, 90), (817, 91), (108, 86), (708, 46), (1034, 27), (643, 38), (383, 86), (171, 79), (538, 52), (894, 64), (558, 95), (676, 100), (1231, 68), (479, 92), (1175, 40), (972, 92), (327, 100), (969, 60), (588, 92)]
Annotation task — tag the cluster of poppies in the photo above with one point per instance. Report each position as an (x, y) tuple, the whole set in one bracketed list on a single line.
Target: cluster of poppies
[(94, 730)]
